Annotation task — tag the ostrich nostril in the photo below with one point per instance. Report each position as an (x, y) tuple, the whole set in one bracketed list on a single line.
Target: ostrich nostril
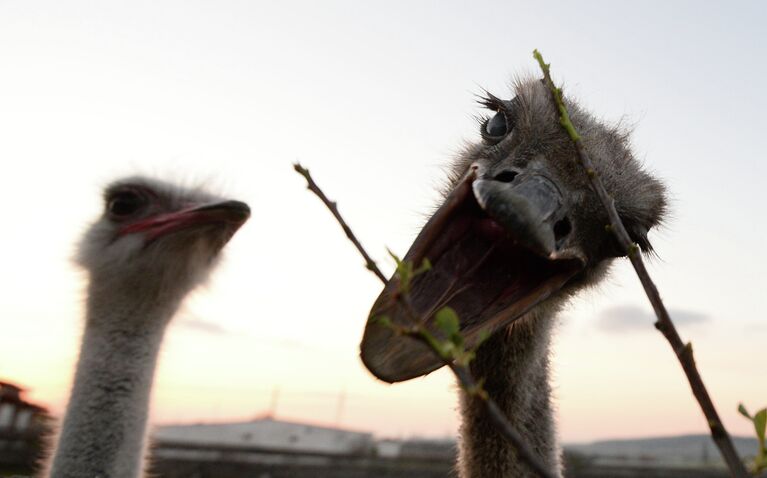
[(505, 176), (561, 229)]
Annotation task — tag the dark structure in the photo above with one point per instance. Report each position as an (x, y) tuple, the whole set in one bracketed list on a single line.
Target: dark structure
[(22, 428)]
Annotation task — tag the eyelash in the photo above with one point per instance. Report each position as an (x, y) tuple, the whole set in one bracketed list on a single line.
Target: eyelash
[(491, 102)]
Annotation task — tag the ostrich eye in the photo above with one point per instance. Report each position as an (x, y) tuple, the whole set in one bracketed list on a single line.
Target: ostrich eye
[(124, 204), (497, 125)]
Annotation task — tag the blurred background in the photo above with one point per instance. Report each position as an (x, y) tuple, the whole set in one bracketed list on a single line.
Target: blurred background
[(375, 98)]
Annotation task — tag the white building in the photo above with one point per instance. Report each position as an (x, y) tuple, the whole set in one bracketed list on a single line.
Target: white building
[(268, 433)]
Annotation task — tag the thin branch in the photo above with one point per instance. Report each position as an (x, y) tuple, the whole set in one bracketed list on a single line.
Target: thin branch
[(474, 388), (663, 324), (502, 424), (417, 332), (312, 186)]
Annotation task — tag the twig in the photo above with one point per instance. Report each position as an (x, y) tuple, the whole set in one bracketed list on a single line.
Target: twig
[(474, 388), (417, 332), (312, 186), (502, 424), (663, 324)]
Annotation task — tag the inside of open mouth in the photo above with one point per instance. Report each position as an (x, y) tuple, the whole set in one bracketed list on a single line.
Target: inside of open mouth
[(478, 269)]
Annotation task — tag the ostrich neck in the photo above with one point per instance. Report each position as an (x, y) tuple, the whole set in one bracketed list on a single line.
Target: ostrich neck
[(515, 366), (105, 422)]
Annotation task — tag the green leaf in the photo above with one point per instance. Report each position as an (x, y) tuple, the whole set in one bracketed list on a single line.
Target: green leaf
[(447, 320), (404, 272), (442, 349), (457, 340), (760, 423), (760, 426), (381, 320), (484, 334), (424, 267), (465, 358), (743, 411), (394, 256)]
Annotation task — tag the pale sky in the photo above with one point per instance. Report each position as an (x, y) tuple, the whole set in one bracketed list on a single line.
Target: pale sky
[(375, 98)]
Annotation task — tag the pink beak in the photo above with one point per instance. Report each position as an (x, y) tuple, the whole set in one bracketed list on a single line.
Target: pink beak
[(232, 214)]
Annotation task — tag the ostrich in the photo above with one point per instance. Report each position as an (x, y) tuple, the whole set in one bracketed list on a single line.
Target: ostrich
[(519, 233), (152, 246)]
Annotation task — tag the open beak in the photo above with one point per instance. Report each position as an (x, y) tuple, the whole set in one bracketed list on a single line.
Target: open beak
[(494, 252), (229, 215)]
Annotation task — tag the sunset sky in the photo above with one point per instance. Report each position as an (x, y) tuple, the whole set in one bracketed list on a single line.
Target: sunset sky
[(375, 98)]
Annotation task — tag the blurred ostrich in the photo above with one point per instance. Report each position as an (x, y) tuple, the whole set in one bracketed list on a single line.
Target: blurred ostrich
[(519, 233), (152, 246)]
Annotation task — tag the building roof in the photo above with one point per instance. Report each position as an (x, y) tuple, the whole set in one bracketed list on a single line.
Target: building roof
[(268, 433)]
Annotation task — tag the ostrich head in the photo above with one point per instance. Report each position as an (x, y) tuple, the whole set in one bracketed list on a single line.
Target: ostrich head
[(155, 241), (520, 227)]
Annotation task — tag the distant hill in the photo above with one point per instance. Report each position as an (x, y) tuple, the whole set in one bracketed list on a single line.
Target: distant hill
[(684, 450)]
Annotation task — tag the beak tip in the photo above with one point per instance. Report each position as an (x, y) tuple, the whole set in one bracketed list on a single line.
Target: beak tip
[(239, 209), (479, 188), (232, 211), (392, 358)]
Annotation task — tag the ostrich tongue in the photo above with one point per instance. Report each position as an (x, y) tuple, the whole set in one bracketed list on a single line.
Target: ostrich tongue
[(483, 266)]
